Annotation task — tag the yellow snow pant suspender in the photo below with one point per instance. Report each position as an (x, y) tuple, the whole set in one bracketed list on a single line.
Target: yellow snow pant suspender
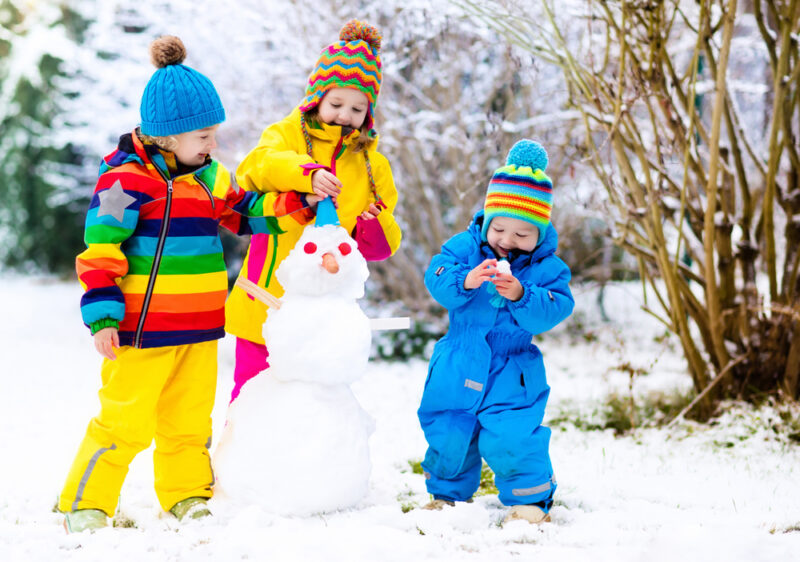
[(166, 393)]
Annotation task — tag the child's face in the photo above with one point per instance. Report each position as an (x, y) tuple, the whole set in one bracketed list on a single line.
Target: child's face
[(506, 234), (344, 106), (194, 146)]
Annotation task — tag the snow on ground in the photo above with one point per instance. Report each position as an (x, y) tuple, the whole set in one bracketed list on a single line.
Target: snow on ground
[(726, 491)]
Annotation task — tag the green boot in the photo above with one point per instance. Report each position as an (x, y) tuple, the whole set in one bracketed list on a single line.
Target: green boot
[(191, 508), (84, 519)]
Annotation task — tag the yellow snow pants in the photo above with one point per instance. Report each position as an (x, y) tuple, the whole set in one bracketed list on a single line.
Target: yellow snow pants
[(166, 393)]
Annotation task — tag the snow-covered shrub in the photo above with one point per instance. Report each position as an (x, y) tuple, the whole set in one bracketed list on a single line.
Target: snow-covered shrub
[(692, 114)]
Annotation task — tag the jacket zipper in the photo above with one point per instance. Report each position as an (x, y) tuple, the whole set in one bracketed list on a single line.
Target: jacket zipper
[(162, 239), (207, 190)]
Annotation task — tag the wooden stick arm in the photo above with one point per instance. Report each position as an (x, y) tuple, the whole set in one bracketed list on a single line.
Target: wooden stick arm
[(396, 323), (257, 292)]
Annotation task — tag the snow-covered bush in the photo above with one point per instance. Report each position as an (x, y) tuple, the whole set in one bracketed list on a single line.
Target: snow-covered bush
[(692, 115)]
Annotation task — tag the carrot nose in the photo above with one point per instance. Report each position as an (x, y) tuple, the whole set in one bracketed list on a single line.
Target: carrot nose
[(329, 263)]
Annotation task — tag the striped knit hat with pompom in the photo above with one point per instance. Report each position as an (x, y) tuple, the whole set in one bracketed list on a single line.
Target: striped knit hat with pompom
[(352, 62), (177, 99), (520, 189)]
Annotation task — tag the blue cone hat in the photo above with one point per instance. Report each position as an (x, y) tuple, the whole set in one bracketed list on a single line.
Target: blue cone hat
[(326, 213)]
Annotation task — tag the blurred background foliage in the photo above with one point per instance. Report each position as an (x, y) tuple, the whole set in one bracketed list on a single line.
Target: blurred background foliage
[(672, 129)]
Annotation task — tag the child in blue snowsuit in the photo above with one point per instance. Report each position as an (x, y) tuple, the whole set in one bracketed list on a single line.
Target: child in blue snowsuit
[(486, 389)]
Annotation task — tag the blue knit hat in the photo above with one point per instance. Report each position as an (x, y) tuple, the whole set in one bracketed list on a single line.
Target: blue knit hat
[(177, 99)]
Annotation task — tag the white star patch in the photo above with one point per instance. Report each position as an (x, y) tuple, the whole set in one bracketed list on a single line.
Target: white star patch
[(114, 201)]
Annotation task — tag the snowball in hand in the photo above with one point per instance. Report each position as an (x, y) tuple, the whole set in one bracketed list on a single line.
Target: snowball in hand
[(503, 266)]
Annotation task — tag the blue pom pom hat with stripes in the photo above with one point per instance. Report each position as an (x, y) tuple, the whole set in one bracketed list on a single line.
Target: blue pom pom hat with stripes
[(520, 189)]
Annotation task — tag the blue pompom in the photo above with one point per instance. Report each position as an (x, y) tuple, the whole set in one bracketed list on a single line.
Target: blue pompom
[(528, 153)]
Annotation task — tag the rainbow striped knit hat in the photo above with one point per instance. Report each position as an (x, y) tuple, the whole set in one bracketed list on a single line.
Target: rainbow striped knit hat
[(521, 189), (351, 62)]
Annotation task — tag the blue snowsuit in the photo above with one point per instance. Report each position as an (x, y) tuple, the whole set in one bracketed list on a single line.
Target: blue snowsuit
[(486, 389)]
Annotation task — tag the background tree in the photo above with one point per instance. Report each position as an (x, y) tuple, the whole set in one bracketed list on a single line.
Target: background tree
[(41, 217), (691, 115), (455, 96), (454, 100)]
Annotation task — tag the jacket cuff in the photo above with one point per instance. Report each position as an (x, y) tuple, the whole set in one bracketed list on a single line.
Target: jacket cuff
[(460, 276), (295, 204), (524, 299), (311, 167), (104, 323)]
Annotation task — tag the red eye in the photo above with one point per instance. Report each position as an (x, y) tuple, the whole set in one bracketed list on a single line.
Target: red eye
[(345, 248), (310, 248)]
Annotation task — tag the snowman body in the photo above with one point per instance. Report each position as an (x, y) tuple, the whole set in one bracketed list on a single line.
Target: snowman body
[(296, 439)]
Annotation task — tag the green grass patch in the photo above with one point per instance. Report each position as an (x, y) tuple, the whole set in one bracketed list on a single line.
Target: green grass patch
[(622, 413), (406, 501), (123, 522), (485, 488), (416, 466)]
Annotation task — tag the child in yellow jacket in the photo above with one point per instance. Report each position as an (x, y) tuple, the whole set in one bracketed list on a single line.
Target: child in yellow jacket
[(326, 146), (155, 288)]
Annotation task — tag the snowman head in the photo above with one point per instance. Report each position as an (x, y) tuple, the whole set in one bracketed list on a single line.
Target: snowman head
[(325, 261)]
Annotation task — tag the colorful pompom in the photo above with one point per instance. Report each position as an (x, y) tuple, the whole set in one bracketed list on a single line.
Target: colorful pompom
[(355, 30)]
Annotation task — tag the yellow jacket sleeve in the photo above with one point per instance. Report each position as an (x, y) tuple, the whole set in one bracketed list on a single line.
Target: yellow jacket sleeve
[(384, 185), (277, 162)]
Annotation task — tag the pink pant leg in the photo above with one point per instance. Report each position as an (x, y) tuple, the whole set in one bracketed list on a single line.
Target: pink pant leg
[(251, 359)]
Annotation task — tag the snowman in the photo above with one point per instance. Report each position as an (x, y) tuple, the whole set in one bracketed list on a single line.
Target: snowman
[(296, 439)]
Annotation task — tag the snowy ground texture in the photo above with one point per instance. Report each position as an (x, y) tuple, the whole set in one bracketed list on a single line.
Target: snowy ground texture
[(725, 491)]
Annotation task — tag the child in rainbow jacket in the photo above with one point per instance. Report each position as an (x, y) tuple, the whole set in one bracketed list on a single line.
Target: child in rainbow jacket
[(326, 146), (486, 390), (155, 288)]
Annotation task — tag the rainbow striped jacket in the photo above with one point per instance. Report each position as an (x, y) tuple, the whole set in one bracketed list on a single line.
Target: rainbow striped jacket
[(153, 266)]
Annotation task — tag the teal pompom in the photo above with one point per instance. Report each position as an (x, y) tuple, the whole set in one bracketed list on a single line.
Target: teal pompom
[(528, 153)]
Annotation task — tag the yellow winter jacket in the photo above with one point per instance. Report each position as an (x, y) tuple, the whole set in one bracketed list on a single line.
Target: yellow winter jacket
[(280, 163)]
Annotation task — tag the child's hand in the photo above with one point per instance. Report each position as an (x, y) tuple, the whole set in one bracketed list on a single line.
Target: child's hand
[(325, 184), (508, 286), (312, 199), (371, 213), (483, 272), (105, 341)]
